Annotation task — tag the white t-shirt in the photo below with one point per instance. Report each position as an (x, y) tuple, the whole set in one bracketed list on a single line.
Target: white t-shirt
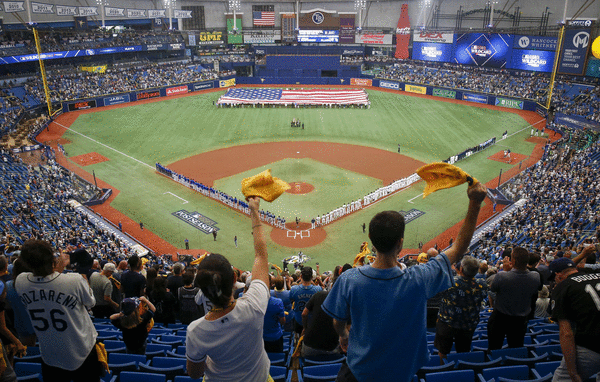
[(57, 305), (232, 345)]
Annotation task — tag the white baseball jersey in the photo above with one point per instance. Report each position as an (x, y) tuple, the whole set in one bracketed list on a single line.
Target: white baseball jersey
[(57, 305)]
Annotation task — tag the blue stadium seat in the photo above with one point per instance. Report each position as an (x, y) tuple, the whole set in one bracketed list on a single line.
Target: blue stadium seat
[(517, 373), (27, 368), (278, 373), (451, 376), (30, 378), (277, 359), (321, 373), (153, 350), (170, 367), (132, 376), (323, 359), (186, 378), (542, 369), (179, 352)]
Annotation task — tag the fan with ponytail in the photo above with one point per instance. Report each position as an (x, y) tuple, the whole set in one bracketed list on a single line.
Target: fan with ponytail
[(215, 278)]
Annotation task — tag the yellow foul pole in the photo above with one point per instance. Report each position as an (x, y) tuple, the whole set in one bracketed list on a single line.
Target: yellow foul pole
[(559, 43), (43, 71)]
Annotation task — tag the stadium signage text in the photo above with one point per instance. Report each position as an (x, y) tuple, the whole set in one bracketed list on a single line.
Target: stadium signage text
[(147, 95), (177, 90), (374, 39), (510, 103), (82, 105), (411, 215), (444, 93), (208, 38), (535, 42), (581, 22), (197, 220), (475, 98), (415, 89), (114, 100), (156, 47), (389, 85), (227, 83), (361, 82), (176, 46), (442, 38), (203, 85)]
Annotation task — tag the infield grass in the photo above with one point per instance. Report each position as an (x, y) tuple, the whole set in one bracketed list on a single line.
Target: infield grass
[(173, 129)]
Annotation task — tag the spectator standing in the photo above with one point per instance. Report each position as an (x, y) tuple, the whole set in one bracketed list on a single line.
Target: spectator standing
[(319, 334), (175, 281), (273, 326), (133, 323), (542, 303), (102, 289), (459, 311), (188, 309), (133, 284), (379, 296), (164, 302), (226, 344), (21, 320), (57, 304), (300, 294), (577, 309), (514, 291)]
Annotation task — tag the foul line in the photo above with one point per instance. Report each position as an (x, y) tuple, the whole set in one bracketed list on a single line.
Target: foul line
[(410, 200), (168, 192), (102, 144)]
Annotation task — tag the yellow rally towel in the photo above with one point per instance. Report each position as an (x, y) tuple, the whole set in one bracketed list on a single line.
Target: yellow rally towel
[(198, 260), (440, 175), (264, 185), (359, 260), (102, 356)]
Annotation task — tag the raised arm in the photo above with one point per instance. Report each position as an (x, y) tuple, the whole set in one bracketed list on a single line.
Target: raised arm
[(476, 193), (260, 269)]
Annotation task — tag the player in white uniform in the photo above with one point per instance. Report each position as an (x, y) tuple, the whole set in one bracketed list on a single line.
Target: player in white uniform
[(57, 304)]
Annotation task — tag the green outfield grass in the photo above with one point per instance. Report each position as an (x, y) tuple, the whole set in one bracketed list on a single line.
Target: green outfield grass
[(136, 137)]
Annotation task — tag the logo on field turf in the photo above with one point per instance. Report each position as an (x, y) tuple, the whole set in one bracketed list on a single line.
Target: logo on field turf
[(411, 215), (197, 220)]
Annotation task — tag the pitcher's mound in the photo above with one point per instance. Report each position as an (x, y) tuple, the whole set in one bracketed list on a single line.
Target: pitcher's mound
[(300, 188), (513, 159), (301, 236), (89, 159)]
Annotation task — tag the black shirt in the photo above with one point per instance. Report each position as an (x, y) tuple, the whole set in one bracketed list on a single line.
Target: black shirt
[(577, 299), (132, 284), (134, 338), (320, 333)]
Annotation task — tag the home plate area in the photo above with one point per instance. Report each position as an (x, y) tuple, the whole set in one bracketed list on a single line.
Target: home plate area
[(298, 236)]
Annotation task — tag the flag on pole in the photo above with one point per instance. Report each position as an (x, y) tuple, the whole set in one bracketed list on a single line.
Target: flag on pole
[(263, 18)]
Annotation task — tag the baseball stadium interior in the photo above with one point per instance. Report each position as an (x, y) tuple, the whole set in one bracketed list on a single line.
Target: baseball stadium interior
[(521, 305)]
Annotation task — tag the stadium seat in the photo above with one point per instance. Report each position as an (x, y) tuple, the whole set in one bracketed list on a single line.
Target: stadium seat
[(433, 366), (277, 359), (169, 366), (179, 352), (321, 373), (474, 356), (542, 369), (186, 378), (323, 359), (512, 352), (119, 362), (451, 376), (517, 373), (27, 368), (153, 350), (552, 337), (133, 376), (278, 373), (30, 378), (554, 352), (478, 367), (114, 346)]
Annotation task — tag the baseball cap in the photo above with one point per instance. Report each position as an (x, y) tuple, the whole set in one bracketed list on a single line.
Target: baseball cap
[(560, 265), (129, 305), (422, 259), (109, 267)]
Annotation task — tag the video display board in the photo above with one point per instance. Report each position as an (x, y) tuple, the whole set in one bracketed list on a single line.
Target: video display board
[(316, 35), (534, 60), (483, 49), (429, 51)]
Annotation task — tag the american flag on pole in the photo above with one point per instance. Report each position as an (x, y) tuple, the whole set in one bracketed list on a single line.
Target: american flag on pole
[(291, 97), (263, 18)]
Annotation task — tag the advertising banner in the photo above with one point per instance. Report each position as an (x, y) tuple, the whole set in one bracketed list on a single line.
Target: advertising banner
[(535, 42), (389, 84), (328, 36), (211, 38), (178, 46), (361, 81), (181, 14), (402, 34), (574, 51), (415, 89), (475, 98), (177, 90), (374, 39), (93, 69), (534, 60), (227, 83), (64, 10), (429, 51), (347, 30), (234, 36), (147, 94), (115, 100), (132, 13), (42, 8), (445, 93), (13, 6), (203, 85), (82, 105), (510, 103), (156, 13), (581, 22), (435, 37), (576, 121), (155, 47), (483, 49), (114, 12)]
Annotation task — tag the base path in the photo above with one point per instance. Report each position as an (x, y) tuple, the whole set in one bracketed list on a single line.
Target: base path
[(210, 166)]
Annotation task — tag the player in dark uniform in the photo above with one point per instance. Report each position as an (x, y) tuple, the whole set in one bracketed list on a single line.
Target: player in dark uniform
[(576, 307)]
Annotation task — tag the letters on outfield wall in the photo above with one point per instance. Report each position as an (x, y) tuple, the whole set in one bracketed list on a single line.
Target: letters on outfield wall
[(114, 100), (177, 90), (475, 98), (148, 94), (82, 105), (203, 85), (511, 103), (227, 83), (389, 85), (415, 89), (374, 39), (445, 93), (361, 81)]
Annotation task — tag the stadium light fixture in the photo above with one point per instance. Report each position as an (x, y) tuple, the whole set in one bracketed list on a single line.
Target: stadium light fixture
[(170, 4), (360, 5), (234, 5), (101, 4)]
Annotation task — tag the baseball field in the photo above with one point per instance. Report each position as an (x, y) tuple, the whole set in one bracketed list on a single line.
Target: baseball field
[(342, 153)]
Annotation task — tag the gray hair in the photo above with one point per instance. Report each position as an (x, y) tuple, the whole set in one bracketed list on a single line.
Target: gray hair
[(469, 266), (177, 268)]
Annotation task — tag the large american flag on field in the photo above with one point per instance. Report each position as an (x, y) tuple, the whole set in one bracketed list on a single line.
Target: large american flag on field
[(263, 18), (295, 96)]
